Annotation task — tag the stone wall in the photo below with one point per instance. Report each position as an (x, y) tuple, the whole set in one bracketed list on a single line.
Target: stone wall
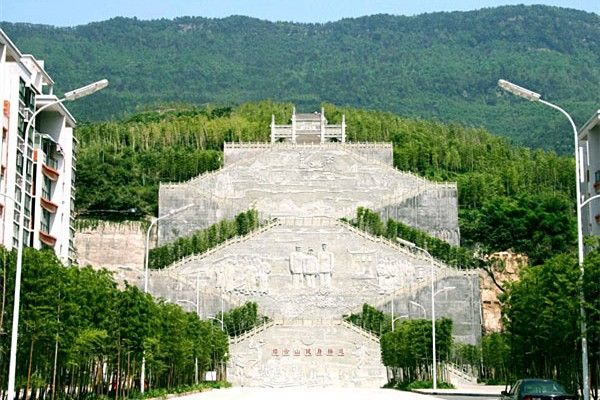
[(308, 180), (381, 152), (308, 354), (434, 209), (118, 247), (274, 268)]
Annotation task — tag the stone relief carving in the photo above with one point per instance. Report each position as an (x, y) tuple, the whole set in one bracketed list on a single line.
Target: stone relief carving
[(310, 356), (311, 270), (296, 261), (326, 266)]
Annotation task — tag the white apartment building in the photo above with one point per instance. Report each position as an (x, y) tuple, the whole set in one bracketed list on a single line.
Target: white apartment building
[(589, 146), (49, 156)]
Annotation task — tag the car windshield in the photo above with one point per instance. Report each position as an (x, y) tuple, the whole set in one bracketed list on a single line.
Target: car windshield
[(543, 388)]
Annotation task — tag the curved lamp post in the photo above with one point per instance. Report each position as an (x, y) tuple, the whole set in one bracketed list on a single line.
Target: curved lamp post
[(533, 96), (433, 294), (414, 303), (396, 319), (69, 96), (147, 250)]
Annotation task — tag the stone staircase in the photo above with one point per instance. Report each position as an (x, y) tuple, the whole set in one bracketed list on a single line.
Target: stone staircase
[(303, 322), (459, 376), (253, 332), (363, 332), (406, 184), (228, 242), (314, 221)]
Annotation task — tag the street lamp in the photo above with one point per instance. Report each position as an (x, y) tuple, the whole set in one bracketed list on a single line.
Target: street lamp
[(433, 294), (147, 247), (146, 254), (196, 304), (69, 96), (223, 305), (396, 319), (532, 96), (220, 321), (414, 303)]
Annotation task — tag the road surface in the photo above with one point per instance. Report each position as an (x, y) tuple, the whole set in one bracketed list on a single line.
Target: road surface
[(300, 393)]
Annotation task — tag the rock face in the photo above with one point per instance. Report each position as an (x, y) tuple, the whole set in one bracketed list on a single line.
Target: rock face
[(331, 179), (505, 268)]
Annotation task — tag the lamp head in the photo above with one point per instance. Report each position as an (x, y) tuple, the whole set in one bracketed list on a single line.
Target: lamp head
[(86, 90), (518, 90), (405, 242)]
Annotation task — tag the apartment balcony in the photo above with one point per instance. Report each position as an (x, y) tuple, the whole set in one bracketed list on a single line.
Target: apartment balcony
[(47, 238), (50, 168), (48, 205)]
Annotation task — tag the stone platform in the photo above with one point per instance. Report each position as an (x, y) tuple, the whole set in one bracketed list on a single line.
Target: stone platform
[(307, 353)]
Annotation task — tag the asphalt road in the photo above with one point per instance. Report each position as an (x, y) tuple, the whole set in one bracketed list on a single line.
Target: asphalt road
[(482, 397), (300, 393)]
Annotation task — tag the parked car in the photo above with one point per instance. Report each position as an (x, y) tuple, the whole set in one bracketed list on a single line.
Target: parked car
[(537, 389)]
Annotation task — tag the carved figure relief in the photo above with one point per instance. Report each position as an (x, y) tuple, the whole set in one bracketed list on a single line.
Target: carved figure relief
[(362, 262), (311, 270), (325, 266), (296, 261), (264, 269)]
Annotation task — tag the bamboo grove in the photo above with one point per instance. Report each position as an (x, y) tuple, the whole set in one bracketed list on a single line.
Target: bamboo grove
[(370, 221), (203, 239), (541, 336), (79, 335), (407, 351), (121, 163)]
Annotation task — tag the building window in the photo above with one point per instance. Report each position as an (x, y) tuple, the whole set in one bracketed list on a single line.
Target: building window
[(19, 161), (47, 188), (45, 222), (29, 98), (29, 170), (27, 210), (21, 126), (18, 195), (22, 91)]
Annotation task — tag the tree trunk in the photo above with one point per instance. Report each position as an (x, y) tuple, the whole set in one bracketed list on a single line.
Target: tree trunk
[(3, 298), (29, 369), (118, 377), (54, 368)]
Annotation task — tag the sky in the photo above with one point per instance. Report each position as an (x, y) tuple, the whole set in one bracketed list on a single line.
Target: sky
[(77, 12)]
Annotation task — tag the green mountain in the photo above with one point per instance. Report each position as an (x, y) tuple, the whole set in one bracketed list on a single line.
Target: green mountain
[(437, 66)]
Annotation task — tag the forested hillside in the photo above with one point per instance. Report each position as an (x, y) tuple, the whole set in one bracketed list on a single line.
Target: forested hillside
[(442, 65), (509, 196)]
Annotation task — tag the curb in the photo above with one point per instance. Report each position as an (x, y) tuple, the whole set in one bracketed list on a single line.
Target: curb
[(466, 394)]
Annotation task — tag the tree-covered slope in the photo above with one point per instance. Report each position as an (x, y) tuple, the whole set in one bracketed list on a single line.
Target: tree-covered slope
[(526, 194), (440, 65)]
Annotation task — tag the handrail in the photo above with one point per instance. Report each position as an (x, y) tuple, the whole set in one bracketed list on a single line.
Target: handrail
[(235, 239), (323, 221), (360, 331)]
